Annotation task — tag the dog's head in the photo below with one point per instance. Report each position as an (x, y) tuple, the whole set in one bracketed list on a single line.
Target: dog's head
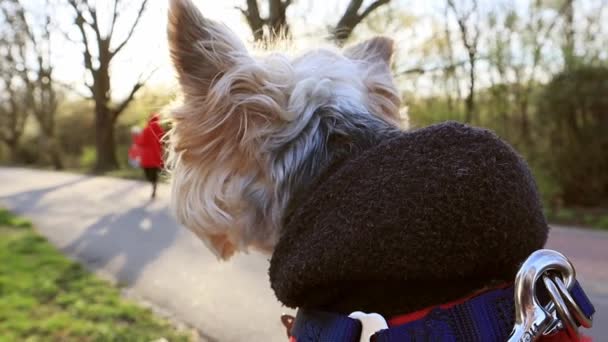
[(252, 130)]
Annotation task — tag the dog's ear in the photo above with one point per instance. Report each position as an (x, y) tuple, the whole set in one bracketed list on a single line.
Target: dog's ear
[(374, 49), (201, 49), (383, 97)]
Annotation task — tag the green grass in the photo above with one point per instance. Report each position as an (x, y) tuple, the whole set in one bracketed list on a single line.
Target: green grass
[(591, 218), (9, 220), (46, 297)]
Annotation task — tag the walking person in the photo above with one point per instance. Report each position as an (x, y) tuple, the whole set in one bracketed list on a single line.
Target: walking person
[(150, 150)]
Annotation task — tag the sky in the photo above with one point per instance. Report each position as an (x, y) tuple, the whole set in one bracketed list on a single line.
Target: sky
[(147, 51), (145, 54)]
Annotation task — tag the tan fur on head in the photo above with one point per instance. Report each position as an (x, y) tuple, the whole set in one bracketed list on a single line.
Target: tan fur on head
[(245, 138)]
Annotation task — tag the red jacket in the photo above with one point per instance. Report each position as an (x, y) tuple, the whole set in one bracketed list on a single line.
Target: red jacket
[(150, 146)]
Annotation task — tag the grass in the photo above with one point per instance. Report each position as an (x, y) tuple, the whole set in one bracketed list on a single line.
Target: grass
[(46, 297), (591, 218), (87, 161)]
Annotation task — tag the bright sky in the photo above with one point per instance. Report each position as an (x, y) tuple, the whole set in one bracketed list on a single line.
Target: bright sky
[(148, 50)]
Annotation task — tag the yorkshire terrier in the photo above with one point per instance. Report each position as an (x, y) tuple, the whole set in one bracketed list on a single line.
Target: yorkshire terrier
[(252, 132)]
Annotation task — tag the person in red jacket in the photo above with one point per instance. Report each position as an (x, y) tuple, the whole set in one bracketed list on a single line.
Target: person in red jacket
[(151, 150)]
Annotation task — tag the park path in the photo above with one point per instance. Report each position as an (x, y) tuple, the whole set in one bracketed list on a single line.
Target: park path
[(111, 226)]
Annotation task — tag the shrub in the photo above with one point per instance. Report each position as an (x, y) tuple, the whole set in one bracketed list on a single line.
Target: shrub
[(573, 116), (88, 157)]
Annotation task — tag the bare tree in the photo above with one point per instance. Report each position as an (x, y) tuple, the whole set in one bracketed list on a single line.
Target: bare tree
[(537, 32), (271, 27), (469, 28), (276, 24), (99, 49), (27, 80), (353, 15), (13, 115), (569, 28), (449, 73), (37, 76)]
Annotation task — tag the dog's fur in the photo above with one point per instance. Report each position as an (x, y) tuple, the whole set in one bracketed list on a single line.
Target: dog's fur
[(252, 132)]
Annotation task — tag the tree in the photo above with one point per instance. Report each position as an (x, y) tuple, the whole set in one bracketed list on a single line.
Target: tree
[(352, 17), (469, 27), (516, 43), (273, 26), (13, 115), (27, 80), (99, 49), (276, 24), (569, 27), (37, 77), (574, 115)]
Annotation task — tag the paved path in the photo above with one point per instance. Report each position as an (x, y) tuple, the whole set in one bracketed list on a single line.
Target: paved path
[(110, 225)]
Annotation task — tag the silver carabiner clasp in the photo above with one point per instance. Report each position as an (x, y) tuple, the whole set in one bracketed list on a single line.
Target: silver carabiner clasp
[(532, 320)]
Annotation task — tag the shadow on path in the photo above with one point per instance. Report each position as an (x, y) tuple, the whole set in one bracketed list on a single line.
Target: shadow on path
[(27, 200), (138, 236)]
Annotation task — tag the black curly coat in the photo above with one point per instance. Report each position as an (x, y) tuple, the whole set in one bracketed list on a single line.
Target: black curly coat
[(423, 218)]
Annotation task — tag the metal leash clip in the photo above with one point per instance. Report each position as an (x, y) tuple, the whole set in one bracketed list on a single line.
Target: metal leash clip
[(533, 320)]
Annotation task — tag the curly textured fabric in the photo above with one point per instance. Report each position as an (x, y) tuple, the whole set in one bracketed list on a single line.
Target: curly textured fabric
[(420, 219)]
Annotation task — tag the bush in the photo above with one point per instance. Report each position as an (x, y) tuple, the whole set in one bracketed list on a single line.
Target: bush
[(28, 150), (75, 131), (88, 157), (573, 116)]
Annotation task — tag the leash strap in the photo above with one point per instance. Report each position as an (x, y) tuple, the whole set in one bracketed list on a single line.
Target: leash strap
[(318, 326), (486, 317)]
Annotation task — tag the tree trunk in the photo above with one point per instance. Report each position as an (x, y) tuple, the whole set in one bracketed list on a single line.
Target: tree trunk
[(470, 101), (569, 52), (104, 117), (525, 123), (55, 155), (50, 153), (344, 29), (277, 19), (13, 147), (104, 140)]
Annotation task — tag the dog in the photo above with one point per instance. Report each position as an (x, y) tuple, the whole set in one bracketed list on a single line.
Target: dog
[(306, 158), (253, 131)]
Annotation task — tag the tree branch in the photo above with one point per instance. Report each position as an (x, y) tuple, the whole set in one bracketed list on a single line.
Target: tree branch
[(372, 8), (351, 18), (74, 90), (125, 103), (75, 5), (26, 26), (461, 20), (80, 22), (114, 17), (140, 13), (450, 66), (353, 8), (252, 15), (95, 24)]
